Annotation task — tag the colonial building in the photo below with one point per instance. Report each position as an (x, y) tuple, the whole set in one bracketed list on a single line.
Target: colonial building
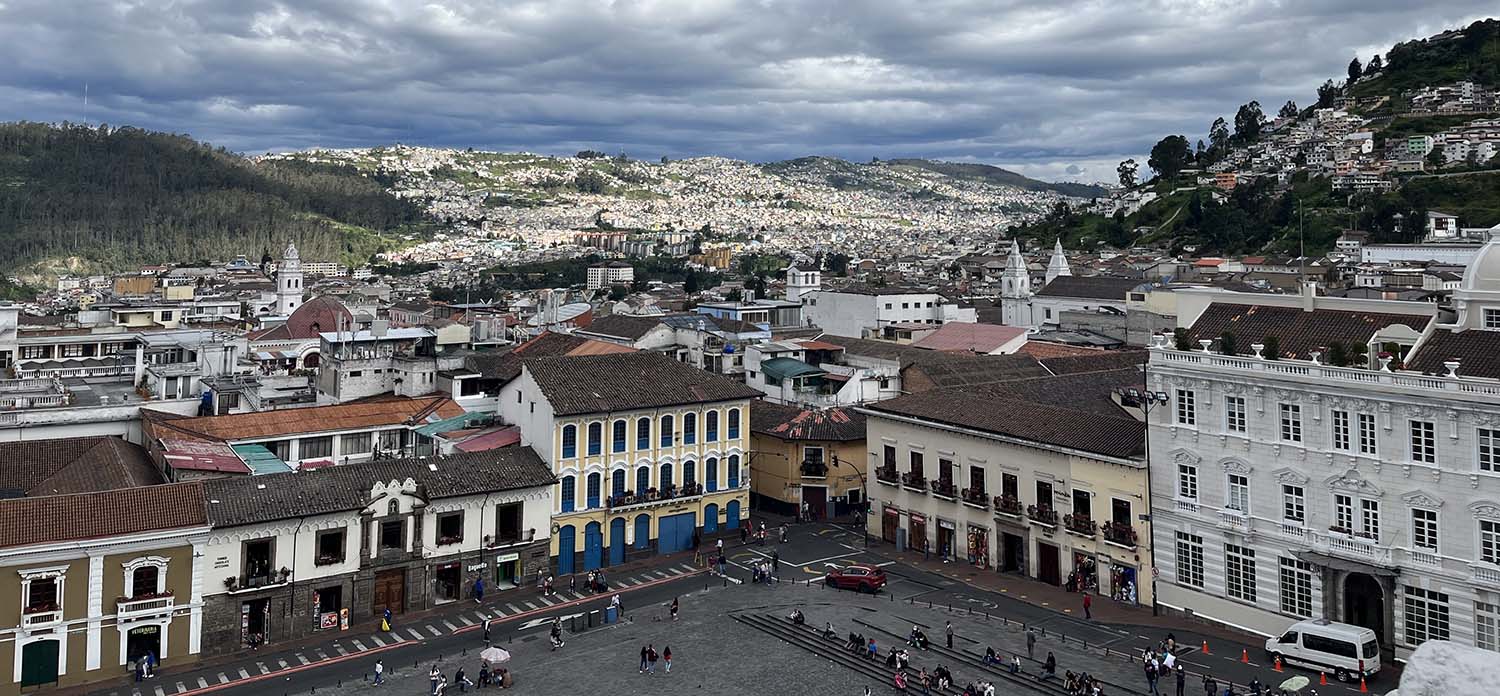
[(304, 552), (650, 453), (816, 457), (91, 581), (1334, 458), (1043, 477)]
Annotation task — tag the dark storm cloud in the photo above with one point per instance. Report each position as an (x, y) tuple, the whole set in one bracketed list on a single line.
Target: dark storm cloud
[(1060, 89)]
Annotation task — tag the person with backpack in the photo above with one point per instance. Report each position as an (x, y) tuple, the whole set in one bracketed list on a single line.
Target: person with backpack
[(651, 658), (666, 656)]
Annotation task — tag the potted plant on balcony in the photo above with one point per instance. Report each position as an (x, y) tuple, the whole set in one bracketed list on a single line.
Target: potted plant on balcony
[(446, 540), (231, 583), (1336, 529), (41, 607)]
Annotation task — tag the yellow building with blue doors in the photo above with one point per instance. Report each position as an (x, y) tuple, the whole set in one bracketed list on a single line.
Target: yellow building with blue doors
[(651, 454)]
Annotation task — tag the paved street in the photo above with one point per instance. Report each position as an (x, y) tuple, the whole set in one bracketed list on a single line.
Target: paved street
[(714, 650)]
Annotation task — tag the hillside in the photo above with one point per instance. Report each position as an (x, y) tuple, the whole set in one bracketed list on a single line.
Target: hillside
[(1001, 177), (120, 196), (1471, 53)]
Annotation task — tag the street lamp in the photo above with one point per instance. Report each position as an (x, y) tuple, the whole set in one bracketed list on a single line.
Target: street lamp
[(864, 499), (1145, 400)]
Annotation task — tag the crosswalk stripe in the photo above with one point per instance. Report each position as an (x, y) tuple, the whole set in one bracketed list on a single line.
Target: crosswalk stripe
[(483, 616), (413, 633), (687, 568), (321, 655), (244, 674), (263, 668), (529, 605), (358, 645), (546, 601), (377, 641), (181, 687), (282, 662), (449, 624), (660, 574), (433, 630), (159, 692), (513, 608), (302, 658), (398, 638), (223, 678), (465, 620), (202, 683), (340, 650)]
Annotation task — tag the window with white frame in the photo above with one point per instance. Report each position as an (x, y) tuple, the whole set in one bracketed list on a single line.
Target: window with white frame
[(1187, 481), (1424, 442), (1296, 587), (1239, 572), (1424, 529), (1369, 518), (1234, 414), (42, 590), (1293, 503), (1239, 493), (145, 577), (1486, 626), (1189, 559), (1426, 616), (1367, 434), (1291, 423), (1187, 407), (1339, 424), (1492, 319), (1343, 513), (1489, 541), (1489, 449)]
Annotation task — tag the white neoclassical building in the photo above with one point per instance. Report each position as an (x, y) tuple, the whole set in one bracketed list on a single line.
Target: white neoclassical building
[(1352, 475)]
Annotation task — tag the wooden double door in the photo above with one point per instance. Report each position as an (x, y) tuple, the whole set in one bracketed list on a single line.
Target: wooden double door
[(389, 591)]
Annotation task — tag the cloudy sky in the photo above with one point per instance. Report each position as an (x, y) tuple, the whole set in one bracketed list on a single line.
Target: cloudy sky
[(1053, 88)]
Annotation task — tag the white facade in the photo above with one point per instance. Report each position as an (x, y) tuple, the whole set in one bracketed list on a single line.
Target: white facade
[(799, 283), (605, 275), (289, 282), (857, 313)]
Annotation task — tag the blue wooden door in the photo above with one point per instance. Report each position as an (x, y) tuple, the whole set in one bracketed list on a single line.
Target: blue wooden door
[(643, 531), (675, 533), (710, 518), (617, 541), (593, 546), (565, 550), (732, 514)]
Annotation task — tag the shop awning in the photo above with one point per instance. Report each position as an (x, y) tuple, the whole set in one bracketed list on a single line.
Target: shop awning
[(788, 368)]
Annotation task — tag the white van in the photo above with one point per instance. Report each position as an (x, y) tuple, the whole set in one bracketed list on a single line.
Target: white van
[(1344, 651)]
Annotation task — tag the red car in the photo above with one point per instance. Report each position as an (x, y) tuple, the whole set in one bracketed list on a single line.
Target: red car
[(859, 577)]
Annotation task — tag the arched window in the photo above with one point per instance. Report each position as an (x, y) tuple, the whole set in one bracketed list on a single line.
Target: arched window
[(570, 441), (711, 426), (595, 482), (734, 424), (618, 436), (689, 428), (143, 581), (711, 474), (666, 431), (642, 480), (394, 508), (734, 471), (666, 475), (617, 483), (643, 434), (568, 493), (596, 439), (689, 473)]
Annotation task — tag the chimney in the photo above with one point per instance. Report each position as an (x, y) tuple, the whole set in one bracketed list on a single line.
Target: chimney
[(1309, 295)]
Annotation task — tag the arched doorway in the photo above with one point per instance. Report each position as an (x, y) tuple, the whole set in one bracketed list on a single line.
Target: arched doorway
[(142, 639), (1364, 603), (710, 518), (310, 361), (617, 540), (565, 550), (593, 542), (732, 514)]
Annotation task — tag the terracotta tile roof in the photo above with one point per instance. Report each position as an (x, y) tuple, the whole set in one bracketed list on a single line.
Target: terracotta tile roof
[(505, 365), (625, 326), (796, 423), (1477, 351), (995, 409), (319, 314), (80, 516), (1096, 360), (1298, 331), (972, 338), (238, 500), (944, 370), (1047, 349), (1093, 287), (620, 382), (367, 413), (73, 465)]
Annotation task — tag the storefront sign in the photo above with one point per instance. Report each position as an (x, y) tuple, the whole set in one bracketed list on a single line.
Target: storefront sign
[(945, 524), (344, 619), (506, 557), (477, 566), (328, 620)]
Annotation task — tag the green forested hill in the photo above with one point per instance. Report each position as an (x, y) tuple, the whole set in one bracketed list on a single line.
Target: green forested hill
[(118, 196), (1471, 53)]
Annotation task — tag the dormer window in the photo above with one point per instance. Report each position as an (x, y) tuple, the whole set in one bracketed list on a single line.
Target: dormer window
[(1492, 319)]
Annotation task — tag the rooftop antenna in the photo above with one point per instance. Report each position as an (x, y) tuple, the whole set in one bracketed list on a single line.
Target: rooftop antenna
[(85, 103)]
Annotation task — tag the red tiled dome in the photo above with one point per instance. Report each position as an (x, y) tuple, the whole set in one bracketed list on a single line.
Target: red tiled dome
[(321, 314)]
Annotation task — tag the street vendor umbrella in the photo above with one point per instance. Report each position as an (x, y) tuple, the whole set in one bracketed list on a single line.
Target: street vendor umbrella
[(1295, 684), (494, 655)]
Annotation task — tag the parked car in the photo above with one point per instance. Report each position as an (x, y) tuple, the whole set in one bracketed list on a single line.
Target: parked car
[(859, 577), (1345, 651)]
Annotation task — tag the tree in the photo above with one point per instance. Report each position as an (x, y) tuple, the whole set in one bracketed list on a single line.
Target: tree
[(1337, 355), (1327, 93), (1218, 138), (1227, 345), (1435, 159), (1288, 110), (1180, 339), (1374, 66), (618, 292), (690, 283), (590, 181), (1272, 349), (1170, 156), (1127, 171), (1355, 70), (1247, 122), (664, 159), (590, 154)]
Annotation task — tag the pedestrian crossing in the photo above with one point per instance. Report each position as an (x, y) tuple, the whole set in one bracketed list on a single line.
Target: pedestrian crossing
[(419, 630)]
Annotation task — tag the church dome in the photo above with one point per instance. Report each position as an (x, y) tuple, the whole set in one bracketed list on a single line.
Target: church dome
[(1483, 273)]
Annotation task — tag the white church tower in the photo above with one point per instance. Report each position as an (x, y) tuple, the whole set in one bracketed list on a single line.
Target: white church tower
[(800, 283), (1058, 266), (1015, 289), (289, 282)]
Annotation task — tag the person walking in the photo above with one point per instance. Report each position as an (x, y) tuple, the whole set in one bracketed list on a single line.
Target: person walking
[(643, 659), (432, 678), (442, 685), (150, 663), (461, 680), (486, 630), (1181, 679), (674, 608), (614, 602), (948, 632), (385, 621), (379, 672), (1149, 666), (1088, 601), (1210, 687), (479, 590), (1031, 644), (744, 536), (666, 656), (651, 658)]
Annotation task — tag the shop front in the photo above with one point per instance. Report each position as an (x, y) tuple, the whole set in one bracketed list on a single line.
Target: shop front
[(979, 546), (916, 532), (507, 570), (947, 534), (890, 521), (1085, 573), (447, 582), (1124, 583)]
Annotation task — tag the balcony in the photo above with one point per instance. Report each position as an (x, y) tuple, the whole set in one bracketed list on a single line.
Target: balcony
[(40, 616), (450, 540), (888, 476), (1234, 521), (1429, 387), (1293, 529), (1079, 524), (814, 469), (1486, 573), (1426, 557), (1045, 516), (504, 540), (976, 498), (944, 489), (246, 583), (1119, 534), (1008, 505), (1347, 544), (671, 494), (328, 559), (913, 481), (144, 606)]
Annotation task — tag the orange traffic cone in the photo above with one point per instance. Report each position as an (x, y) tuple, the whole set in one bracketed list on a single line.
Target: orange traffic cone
[(1362, 688), (1205, 648), (1245, 656), (1278, 664), (1322, 679)]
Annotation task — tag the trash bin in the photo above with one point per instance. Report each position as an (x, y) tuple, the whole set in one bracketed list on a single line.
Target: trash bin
[(611, 615)]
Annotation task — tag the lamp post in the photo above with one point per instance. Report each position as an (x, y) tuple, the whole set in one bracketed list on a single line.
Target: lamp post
[(1145, 400), (864, 499)]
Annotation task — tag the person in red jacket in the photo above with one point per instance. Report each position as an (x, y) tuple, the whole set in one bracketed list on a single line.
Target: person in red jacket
[(1088, 601)]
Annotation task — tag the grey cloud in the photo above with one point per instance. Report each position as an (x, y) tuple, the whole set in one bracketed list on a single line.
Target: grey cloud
[(1058, 89)]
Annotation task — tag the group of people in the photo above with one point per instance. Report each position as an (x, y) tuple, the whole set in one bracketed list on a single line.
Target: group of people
[(917, 639), (1081, 684), (939, 678), (145, 665), (649, 658), (596, 582), (499, 677), (1160, 665), (763, 572)]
